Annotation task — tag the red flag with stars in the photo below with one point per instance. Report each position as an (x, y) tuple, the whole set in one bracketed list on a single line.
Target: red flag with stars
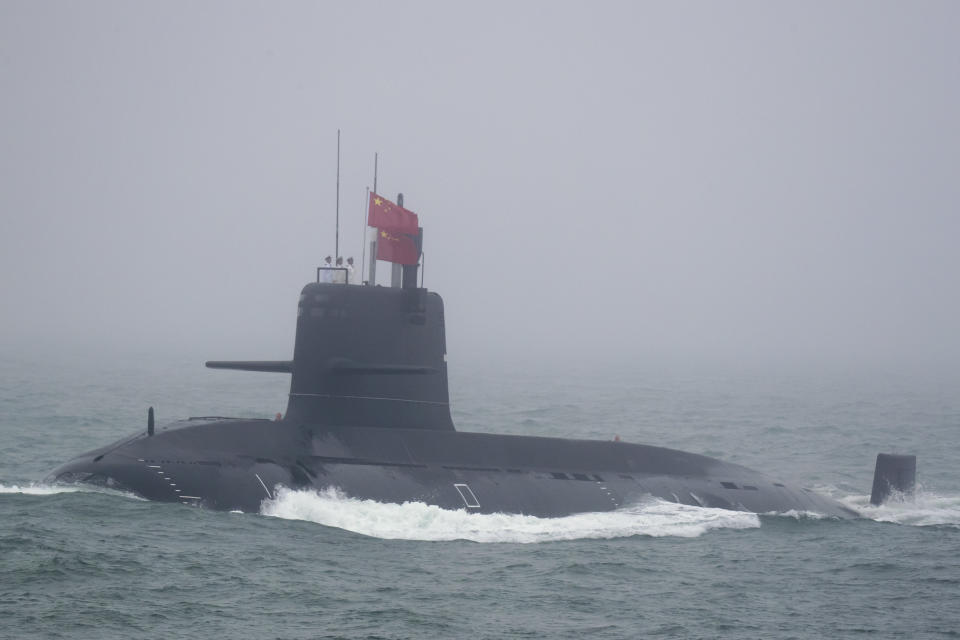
[(384, 214), (397, 247)]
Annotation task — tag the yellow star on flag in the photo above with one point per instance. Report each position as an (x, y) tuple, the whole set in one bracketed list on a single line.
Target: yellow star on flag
[(377, 201)]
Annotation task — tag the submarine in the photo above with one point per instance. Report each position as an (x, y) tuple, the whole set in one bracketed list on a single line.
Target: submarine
[(368, 413)]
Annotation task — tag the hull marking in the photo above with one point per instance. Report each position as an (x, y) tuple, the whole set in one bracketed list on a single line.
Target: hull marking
[(264, 486), (468, 496)]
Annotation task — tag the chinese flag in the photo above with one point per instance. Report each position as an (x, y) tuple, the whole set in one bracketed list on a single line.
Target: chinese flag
[(384, 214), (396, 247)]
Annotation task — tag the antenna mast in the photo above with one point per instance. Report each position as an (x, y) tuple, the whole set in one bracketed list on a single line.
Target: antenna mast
[(336, 245)]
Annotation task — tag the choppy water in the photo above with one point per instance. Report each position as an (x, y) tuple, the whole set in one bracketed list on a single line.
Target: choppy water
[(96, 564)]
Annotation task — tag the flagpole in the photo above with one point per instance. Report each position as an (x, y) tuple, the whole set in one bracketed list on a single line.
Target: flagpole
[(336, 245), (372, 272), (363, 238), (396, 270)]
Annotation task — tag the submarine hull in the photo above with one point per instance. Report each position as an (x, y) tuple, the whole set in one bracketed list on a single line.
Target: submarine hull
[(368, 413), (484, 473)]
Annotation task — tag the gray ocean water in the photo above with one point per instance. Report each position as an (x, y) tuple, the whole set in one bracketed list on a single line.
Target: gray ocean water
[(89, 564)]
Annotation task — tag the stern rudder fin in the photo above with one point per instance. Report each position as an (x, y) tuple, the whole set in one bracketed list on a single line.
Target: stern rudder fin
[(893, 472)]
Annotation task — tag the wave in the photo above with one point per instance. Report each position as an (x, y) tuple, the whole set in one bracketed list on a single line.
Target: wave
[(419, 521), (923, 509), (38, 489), (798, 514), (920, 509)]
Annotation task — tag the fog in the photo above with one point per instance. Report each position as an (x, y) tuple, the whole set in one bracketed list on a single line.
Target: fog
[(745, 181)]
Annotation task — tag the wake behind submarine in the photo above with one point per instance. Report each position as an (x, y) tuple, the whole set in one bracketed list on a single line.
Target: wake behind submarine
[(369, 414)]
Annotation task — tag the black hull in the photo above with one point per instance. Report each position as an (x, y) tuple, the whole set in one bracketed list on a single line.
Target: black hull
[(369, 414), (236, 465)]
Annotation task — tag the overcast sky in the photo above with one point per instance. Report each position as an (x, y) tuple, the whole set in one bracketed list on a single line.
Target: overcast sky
[(734, 180)]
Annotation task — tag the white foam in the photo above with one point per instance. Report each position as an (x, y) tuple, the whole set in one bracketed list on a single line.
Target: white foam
[(34, 489), (419, 521), (798, 514), (38, 489), (923, 509)]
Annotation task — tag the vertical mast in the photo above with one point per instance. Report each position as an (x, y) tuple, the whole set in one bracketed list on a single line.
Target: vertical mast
[(396, 271), (363, 236), (336, 245), (372, 272)]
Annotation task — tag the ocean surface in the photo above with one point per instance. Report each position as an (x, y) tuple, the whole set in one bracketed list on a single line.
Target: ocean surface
[(80, 563)]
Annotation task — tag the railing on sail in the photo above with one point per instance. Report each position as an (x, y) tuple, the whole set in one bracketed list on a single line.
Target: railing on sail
[(335, 275)]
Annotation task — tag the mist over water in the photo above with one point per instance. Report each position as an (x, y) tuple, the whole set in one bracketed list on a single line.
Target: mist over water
[(629, 180)]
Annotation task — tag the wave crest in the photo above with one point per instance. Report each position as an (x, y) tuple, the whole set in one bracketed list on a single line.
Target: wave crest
[(38, 489), (419, 521), (923, 509)]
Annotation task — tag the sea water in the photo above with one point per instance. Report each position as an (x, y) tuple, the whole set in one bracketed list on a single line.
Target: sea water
[(85, 563)]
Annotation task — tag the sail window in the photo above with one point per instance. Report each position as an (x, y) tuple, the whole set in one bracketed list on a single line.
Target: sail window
[(729, 485)]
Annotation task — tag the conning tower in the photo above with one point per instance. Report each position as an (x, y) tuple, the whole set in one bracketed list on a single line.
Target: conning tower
[(365, 356), (368, 356)]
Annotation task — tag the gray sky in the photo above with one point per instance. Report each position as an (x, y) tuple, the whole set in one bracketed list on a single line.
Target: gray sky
[(737, 180)]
